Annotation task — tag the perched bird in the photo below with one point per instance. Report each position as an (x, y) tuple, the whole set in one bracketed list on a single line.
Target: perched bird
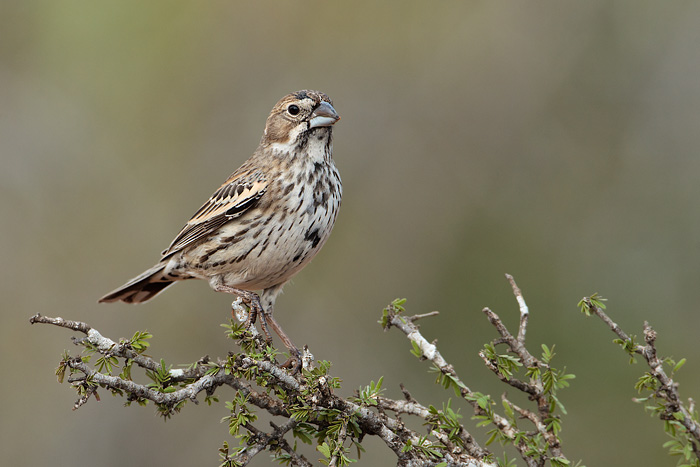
[(266, 222)]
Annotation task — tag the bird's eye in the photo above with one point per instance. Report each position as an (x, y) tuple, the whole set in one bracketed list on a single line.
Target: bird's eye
[(293, 109)]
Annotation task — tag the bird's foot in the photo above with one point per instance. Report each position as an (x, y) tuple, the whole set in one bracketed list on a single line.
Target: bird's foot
[(294, 361), (252, 300), (298, 360), (255, 309)]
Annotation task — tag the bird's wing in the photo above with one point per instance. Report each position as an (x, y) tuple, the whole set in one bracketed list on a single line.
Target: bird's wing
[(239, 193)]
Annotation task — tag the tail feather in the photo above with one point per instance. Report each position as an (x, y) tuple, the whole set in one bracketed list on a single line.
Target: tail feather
[(142, 287)]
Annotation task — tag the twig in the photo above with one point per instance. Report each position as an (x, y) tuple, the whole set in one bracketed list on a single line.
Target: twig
[(611, 324), (424, 315), (524, 310), (515, 344), (58, 321)]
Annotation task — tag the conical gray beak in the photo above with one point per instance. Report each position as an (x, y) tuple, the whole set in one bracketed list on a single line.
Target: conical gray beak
[(324, 115)]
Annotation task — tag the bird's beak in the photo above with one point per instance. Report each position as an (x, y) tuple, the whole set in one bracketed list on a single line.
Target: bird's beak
[(324, 115)]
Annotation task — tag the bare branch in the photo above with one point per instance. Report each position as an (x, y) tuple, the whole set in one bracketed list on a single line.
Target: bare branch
[(524, 310), (424, 315), (598, 311), (515, 345), (58, 321)]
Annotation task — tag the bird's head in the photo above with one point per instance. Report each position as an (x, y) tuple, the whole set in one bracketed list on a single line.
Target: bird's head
[(298, 114)]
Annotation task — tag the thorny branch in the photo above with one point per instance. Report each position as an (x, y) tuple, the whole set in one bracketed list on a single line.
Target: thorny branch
[(665, 389), (308, 404), (305, 391), (544, 418), (524, 310)]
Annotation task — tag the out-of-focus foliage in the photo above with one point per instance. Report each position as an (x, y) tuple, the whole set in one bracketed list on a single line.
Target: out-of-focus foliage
[(554, 141)]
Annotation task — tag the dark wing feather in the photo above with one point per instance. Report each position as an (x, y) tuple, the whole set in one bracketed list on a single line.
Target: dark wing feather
[(238, 194)]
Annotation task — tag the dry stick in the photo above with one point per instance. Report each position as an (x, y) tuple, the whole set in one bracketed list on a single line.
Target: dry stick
[(64, 323), (528, 414), (524, 310), (424, 315)]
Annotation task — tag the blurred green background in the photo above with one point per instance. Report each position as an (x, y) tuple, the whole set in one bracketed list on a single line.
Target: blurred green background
[(556, 141)]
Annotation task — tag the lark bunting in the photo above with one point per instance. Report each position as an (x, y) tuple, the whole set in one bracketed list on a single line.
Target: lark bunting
[(266, 222)]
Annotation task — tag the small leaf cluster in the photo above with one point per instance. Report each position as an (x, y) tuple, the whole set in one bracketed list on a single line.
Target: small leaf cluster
[(367, 395), (552, 380), (506, 364), (426, 448), (84, 385), (587, 304), (630, 346), (394, 308), (447, 421), (330, 427), (228, 458), (241, 415), (682, 444), (448, 380)]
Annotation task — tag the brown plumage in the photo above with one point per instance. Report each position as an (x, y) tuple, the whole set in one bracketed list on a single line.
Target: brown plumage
[(268, 219)]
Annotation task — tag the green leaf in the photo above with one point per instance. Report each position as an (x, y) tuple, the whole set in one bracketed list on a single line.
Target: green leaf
[(416, 350), (325, 450), (679, 365), (397, 303), (586, 304)]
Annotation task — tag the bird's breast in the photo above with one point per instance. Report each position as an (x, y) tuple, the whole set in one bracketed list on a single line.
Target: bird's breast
[(277, 238)]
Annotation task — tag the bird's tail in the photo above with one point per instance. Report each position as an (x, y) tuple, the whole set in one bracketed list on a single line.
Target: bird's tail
[(142, 287)]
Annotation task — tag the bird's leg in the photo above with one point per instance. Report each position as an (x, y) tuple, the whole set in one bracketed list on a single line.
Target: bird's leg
[(294, 361), (255, 309), (269, 296)]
